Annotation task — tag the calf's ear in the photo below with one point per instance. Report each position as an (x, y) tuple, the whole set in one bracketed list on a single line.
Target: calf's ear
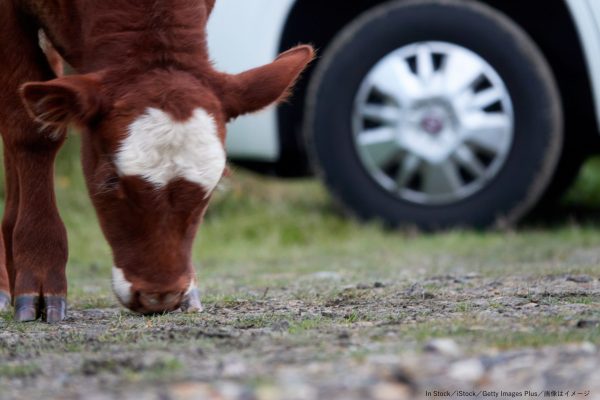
[(256, 89), (63, 101)]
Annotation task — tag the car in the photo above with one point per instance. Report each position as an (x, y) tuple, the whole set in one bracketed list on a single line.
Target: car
[(433, 114)]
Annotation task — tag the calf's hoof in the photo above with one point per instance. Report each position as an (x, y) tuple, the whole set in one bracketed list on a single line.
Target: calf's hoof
[(4, 301), (26, 308), (51, 309), (55, 309)]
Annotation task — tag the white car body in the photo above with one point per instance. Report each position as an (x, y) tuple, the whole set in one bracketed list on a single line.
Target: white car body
[(246, 34), (243, 35)]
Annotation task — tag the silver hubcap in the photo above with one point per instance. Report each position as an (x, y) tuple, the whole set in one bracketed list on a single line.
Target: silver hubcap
[(433, 123)]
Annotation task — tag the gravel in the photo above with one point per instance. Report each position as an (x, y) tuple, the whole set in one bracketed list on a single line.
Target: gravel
[(464, 335)]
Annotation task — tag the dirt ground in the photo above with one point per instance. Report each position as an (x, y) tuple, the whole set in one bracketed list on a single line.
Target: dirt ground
[(321, 339)]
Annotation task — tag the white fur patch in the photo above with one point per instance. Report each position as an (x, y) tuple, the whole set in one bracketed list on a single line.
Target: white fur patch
[(191, 286), (160, 149), (121, 286)]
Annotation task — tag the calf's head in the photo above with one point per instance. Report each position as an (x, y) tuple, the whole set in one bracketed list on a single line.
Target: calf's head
[(152, 153)]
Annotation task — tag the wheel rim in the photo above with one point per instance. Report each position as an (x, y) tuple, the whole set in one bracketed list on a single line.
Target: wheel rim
[(433, 123)]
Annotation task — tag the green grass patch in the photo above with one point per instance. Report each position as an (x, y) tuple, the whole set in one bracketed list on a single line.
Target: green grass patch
[(22, 370), (305, 325)]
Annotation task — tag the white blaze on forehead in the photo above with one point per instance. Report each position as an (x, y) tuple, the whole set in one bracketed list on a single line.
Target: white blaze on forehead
[(160, 149), (121, 286)]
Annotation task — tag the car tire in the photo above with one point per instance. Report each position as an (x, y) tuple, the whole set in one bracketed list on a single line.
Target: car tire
[(568, 169), (344, 152)]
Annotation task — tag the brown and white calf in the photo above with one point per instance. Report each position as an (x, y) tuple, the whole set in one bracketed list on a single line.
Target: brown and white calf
[(152, 112)]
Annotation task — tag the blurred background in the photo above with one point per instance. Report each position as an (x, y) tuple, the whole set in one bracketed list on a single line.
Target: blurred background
[(423, 114)]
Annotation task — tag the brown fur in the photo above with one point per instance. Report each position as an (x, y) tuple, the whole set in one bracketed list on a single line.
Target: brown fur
[(128, 55)]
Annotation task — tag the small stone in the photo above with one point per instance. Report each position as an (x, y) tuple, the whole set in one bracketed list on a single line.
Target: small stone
[(588, 324), (298, 390), (579, 278), (234, 369), (230, 390), (391, 391), (188, 390), (467, 370), (98, 396), (444, 346), (378, 285), (363, 286), (588, 348), (344, 335), (268, 393), (402, 376), (94, 313)]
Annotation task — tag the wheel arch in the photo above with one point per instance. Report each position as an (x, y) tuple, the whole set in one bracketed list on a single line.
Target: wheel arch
[(310, 22)]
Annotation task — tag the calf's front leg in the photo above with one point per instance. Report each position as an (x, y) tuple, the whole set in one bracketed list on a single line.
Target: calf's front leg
[(4, 281), (11, 201), (39, 238), (35, 241)]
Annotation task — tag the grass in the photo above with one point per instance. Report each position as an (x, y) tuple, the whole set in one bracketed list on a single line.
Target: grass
[(24, 370), (256, 222), (266, 232), (540, 332), (132, 370), (278, 256), (274, 230)]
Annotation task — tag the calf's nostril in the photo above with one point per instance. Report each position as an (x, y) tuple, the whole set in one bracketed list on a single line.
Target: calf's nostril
[(172, 297), (151, 299), (158, 302)]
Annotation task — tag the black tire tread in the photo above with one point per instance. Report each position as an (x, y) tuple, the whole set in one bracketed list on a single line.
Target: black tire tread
[(528, 47)]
